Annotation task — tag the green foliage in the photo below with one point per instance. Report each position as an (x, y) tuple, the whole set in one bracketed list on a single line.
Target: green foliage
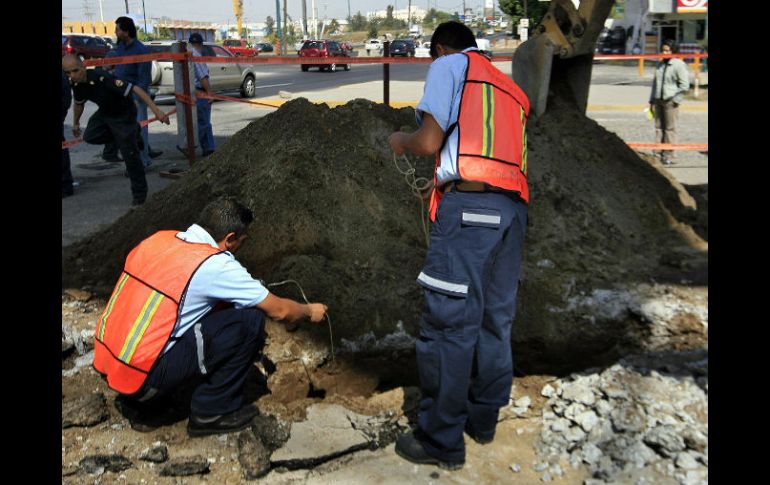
[(373, 32), (358, 22), (435, 17), (269, 22), (143, 36), (515, 8), (334, 26)]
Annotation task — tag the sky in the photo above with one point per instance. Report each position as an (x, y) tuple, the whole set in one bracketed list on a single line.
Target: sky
[(221, 11)]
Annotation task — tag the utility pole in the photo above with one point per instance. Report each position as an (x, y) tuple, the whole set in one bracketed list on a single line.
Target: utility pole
[(304, 18), (87, 11), (126, 7), (285, 29), (278, 19), (101, 13), (409, 17), (144, 14)]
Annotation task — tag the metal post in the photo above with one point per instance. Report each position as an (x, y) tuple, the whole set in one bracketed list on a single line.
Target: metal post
[(278, 19), (187, 124), (641, 66), (386, 74)]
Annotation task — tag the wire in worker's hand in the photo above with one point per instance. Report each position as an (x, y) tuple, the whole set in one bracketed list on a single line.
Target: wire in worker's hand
[(326, 315)]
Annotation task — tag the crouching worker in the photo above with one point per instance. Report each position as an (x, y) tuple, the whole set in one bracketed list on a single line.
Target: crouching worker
[(163, 327)]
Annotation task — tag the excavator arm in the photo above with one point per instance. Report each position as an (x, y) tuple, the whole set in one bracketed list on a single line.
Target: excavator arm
[(560, 53)]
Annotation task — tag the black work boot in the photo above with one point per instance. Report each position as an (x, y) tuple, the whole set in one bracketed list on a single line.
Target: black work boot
[(225, 423), (475, 437), (411, 449)]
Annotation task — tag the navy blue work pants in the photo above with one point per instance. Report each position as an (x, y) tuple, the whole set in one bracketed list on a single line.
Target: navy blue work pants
[(219, 351), (470, 279)]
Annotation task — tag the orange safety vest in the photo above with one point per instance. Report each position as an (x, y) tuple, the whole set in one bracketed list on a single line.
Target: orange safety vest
[(491, 131), (144, 307)]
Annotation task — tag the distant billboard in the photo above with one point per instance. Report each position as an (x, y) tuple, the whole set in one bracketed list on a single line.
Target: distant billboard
[(692, 6)]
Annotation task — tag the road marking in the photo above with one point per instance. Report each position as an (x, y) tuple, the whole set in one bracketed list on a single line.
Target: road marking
[(273, 85)]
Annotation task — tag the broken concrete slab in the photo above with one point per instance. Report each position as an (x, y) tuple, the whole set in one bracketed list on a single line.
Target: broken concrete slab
[(253, 456), (156, 454), (86, 410), (98, 464), (326, 434), (270, 431), (186, 465)]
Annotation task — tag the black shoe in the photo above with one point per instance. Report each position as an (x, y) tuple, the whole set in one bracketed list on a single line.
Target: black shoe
[(227, 423), (147, 417), (112, 159), (67, 193), (138, 201), (410, 448), (482, 441), (207, 153), (155, 154)]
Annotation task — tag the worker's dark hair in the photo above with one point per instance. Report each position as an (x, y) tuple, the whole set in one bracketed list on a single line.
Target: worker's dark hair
[(225, 215), (126, 24), (671, 43), (452, 34)]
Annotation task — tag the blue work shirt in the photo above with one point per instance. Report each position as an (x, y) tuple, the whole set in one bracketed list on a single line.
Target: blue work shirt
[(220, 278), (201, 69), (441, 98), (138, 73)]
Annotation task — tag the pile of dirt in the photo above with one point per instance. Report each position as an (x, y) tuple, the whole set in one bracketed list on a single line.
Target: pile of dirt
[(333, 213)]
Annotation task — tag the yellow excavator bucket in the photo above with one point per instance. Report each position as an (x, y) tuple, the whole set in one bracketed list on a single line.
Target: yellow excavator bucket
[(559, 55)]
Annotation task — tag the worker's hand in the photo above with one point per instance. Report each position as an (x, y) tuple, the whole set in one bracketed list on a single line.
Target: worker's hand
[(397, 142), (162, 117), (76, 130), (317, 311)]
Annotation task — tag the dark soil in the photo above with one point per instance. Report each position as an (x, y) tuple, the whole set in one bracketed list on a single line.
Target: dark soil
[(333, 213)]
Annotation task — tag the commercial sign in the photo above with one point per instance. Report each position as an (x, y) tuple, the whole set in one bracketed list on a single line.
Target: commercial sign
[(692, 6)]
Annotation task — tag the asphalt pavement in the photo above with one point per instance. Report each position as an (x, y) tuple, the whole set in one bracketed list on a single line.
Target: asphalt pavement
[(617, 99)]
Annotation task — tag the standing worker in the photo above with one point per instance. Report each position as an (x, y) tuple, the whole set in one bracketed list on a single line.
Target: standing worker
[(165, 325), (66, 173), (473, 117), (671, 82), (202, 105), (137, 73), (115, 120)]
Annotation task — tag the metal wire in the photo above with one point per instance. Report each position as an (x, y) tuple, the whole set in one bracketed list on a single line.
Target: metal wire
[(328, 319)]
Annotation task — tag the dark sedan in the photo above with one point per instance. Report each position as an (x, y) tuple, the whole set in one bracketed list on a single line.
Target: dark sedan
[(263, 47), (402, 48)]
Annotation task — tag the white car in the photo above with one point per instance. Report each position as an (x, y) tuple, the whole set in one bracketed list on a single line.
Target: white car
[(423, 50), (373, 45)]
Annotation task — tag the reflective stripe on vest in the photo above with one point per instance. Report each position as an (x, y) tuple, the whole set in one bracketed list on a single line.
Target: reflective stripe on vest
[(491, 130), (144, 308)]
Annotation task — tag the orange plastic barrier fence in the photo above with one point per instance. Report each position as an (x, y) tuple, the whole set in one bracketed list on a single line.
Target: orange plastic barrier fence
[(75, 141)]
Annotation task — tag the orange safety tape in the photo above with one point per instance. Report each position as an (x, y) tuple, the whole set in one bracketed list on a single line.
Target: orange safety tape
[(669, 146), (76, 141), (228, 98), (109, 61), (609, 57)]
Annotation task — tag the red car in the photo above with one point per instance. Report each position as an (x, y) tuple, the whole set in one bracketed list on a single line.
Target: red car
[(315, 49), (239, 47), (84, 46)]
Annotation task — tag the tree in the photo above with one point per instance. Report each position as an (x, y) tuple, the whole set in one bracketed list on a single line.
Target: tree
[(515, 8), (334, 26), (435, 17), (357, 22), (373, 32), (269, 22)]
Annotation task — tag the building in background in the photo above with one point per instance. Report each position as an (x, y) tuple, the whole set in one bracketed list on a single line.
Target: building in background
[(649, 22)]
